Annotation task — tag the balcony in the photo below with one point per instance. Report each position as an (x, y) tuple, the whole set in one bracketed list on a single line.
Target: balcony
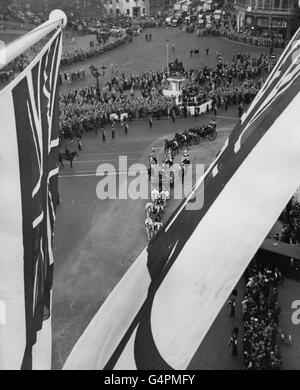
[(286, 11), (267, 10)]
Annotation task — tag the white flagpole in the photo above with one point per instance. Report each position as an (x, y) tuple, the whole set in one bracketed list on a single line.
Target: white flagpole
[(57, 18)]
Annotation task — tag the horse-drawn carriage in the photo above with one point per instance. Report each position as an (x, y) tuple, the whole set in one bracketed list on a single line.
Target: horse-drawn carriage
[(190, 137), (209, 131)]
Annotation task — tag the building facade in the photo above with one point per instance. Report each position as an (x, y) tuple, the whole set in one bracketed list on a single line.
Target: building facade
[(160, 5), (130, 8), (268, 17)]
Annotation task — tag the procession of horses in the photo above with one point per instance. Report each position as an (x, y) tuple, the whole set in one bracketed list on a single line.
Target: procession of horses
[(163, 176), (190, 137)]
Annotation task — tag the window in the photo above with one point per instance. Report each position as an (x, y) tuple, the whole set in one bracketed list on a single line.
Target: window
[(262, 22), (260, 4), (276, 4), (127, 12), (144, 11)]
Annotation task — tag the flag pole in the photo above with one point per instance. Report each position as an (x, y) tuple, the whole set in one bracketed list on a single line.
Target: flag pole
[(57, 18)]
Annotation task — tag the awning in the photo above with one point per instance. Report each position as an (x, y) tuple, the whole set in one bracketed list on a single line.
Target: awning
[(281, 248)]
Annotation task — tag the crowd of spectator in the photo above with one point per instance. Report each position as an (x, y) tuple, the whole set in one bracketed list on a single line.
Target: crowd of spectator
[(141, 95), (290, 218), (228, 84), (243, 36), (81, 55), (82, 110), (69, 57), (18, 65), (261, 317)]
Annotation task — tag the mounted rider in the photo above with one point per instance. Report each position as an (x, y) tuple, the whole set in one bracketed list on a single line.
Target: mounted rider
[(213, 124), (185, 160), (152, 158), (169, 159), (149, 225)]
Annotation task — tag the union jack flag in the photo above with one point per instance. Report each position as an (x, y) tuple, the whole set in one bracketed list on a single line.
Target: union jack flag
[(31, 103)]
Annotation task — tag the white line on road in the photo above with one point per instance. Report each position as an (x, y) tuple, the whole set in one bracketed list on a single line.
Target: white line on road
[(128, 63), (108, 160), (118, 153), (83, 174), (227, 117), (67, 176)]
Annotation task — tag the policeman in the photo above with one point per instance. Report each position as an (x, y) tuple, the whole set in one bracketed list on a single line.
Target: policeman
[(126, 127)]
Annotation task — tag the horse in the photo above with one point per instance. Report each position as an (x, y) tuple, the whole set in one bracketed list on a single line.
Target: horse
[(154, 195), (165, 195), (157, 227), (172, 146), (149, 225), (187, 138), (169, 150), (119, 118), (153, 160), (152, 169), (149, 209), (180, 139), (169, 160), (158, 209), (68, 156)]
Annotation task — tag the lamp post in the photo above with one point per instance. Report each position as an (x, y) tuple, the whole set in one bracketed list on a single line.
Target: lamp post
[(96, 74), (167, 46)]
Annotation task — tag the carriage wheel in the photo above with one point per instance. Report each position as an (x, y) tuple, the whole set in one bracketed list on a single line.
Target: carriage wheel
[(212, 136)]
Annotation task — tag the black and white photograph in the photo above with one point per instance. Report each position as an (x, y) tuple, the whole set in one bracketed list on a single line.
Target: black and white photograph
[(149, 188)]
